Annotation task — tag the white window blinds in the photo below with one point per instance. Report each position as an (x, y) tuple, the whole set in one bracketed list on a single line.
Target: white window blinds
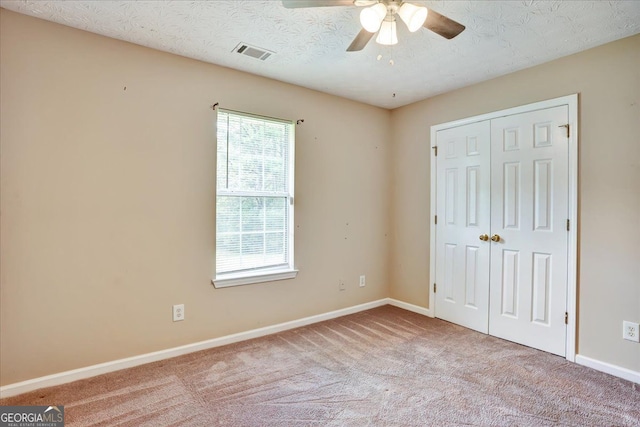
[(254, 189)]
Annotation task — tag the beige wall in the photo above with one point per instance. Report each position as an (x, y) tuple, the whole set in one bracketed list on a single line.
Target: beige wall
[(108, 200), (608, 81)]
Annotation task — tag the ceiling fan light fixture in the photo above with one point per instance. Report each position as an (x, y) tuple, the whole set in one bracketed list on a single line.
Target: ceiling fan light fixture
[(413, 16), (372, 17), (387, 35)]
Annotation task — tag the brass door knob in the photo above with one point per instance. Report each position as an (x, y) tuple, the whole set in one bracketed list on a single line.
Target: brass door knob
[(484, 237), (495, 238)]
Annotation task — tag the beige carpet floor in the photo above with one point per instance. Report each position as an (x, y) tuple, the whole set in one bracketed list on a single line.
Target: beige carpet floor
[(381, 367)]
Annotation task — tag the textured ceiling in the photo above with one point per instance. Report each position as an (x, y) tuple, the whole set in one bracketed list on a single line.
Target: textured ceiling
[(309, 44)]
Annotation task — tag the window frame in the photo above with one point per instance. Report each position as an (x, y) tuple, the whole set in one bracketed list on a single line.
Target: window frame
[(265, 274)]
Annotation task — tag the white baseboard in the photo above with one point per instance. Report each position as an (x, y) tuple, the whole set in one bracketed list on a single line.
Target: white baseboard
[(410, 307), (608, 368), (129, 362)]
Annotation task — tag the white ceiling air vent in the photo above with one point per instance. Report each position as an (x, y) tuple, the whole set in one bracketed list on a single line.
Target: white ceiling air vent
[(253, 51)]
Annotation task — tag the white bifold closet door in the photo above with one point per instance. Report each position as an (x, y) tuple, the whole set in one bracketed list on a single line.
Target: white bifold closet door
[(464, 213), (501, 237), (529, 211)]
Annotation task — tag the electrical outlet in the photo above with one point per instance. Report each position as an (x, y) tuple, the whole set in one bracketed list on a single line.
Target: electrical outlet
[(178, 312), (341, 285), (362, 281), (630, 331)]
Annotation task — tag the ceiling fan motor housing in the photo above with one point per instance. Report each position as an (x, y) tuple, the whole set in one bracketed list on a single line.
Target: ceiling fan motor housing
[(393, 6)]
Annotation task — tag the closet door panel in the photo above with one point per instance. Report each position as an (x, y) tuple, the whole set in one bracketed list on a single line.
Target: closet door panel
[(529, 206), (462, 259)]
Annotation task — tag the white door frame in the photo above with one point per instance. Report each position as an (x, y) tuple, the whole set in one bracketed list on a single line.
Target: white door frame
[(572, 102)]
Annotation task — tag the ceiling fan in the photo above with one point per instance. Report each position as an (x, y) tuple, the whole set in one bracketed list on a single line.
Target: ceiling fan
[(379, 16)]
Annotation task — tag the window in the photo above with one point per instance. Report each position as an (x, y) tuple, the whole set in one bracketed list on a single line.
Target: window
[(254, 205)]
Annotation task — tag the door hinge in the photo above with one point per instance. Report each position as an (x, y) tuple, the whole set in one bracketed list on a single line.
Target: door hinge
[(567, 127), (435, 150), (434, 288), (566, 318), (568, 225), (435, 220)]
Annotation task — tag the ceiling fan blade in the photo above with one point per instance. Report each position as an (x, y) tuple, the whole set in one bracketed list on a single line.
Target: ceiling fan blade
[(295, 4), (440, 24), (360, 41)]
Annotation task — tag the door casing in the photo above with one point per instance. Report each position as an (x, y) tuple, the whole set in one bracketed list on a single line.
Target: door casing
[(571, 101)]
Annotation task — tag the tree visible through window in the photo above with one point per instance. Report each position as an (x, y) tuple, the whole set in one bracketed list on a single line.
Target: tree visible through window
[(254, 212)]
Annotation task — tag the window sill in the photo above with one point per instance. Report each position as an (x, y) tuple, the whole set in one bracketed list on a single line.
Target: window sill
[(228, 280)]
